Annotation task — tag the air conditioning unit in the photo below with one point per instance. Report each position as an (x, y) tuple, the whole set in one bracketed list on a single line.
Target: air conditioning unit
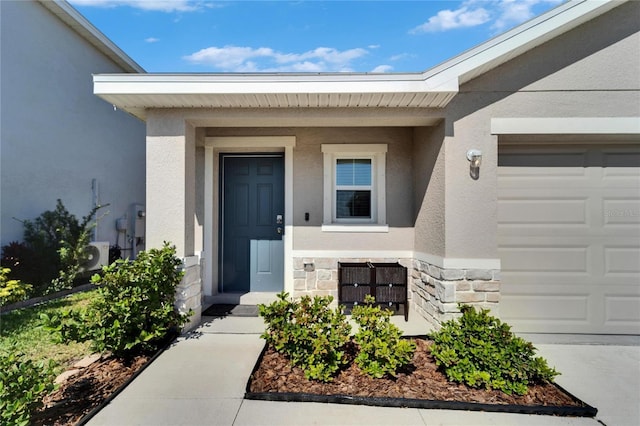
[(98, 252)]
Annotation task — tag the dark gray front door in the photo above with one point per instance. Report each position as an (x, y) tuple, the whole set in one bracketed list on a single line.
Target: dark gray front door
[(252, 223)]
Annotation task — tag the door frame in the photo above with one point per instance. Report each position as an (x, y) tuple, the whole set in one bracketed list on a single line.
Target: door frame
[(214, 146)]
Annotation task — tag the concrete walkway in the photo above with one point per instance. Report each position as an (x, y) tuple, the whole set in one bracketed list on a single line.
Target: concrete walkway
[(201, 380)]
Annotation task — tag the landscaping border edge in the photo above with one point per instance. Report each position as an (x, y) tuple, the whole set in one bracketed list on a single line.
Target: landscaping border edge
[(585, 410)]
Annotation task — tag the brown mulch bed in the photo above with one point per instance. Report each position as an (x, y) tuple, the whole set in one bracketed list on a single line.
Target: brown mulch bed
[(421, 380), (91, 386)]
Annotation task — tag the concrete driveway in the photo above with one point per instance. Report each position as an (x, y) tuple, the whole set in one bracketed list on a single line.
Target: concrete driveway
[(201, 380)]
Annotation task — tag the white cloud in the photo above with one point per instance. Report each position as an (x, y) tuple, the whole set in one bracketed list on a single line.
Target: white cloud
[(151, 40), (264, 59), (452, 19), (383, 68), (514, 12), (471, 13), (400, 57), (155, 5)]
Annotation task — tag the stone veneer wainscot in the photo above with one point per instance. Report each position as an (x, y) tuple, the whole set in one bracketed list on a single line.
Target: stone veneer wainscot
[(437, 291), (433, 292)]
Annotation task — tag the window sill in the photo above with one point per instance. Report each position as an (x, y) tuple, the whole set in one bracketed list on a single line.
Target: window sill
[(355, 228)]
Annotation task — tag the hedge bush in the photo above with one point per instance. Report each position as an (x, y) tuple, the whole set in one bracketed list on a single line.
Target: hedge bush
[(134, 309), (479, 350), (23, 383), (382, 350), (12, 291), (311, 334)]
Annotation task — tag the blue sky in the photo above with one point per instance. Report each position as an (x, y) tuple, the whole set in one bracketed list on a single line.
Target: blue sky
[(302, 36)]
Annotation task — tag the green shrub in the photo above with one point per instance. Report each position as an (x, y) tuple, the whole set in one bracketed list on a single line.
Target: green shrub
[(54, 248), (73, 251), (481, 351), (382, 351), (23, 383), (43, 237), (19, 259), (134, 309), (309, 333), (12, 291)]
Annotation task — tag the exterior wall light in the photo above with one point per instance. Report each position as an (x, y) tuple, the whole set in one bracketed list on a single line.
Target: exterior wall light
[(475, 158)]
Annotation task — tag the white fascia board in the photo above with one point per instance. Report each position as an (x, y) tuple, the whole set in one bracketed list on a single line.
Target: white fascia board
[(566, 126), (530, 34), (269, 84)]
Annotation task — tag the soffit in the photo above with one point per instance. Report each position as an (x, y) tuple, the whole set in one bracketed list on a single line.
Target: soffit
[(136, 93)]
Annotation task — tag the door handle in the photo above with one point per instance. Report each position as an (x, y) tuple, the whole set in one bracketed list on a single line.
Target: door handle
[(279, 230), (279, 219)]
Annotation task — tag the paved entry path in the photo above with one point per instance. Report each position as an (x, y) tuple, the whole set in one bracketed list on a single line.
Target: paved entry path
[(201, 379)]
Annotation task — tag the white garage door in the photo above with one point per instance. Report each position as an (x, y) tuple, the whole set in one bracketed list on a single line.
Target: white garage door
[(569, 238)]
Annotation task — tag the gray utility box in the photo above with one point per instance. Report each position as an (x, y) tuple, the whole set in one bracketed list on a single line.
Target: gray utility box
[(386, 282)]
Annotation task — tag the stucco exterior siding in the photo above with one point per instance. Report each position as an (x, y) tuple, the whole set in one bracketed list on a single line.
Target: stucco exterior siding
[(428, 163), (567, 77), (308, 183), (601, 55), (56, 136), (313, 238), (171, 182)]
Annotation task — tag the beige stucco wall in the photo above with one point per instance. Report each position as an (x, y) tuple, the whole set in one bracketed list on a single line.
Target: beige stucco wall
[(428, 163), (171, 181), (591, 71), (308, 184), (56, 136), (308, 189)]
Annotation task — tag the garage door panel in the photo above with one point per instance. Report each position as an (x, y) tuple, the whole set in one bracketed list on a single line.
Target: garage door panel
[(548, 211), (617, 211), (624, 161), (622, 311), (546, 259), (618, 173), (546, 160), (568, 238), (622, 261), (527, 308)]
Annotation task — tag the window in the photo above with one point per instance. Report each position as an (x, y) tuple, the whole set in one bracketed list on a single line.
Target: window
[(354, 188)]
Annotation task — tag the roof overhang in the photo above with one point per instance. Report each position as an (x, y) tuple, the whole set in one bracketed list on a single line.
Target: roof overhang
[(432, 89), (137, 93)]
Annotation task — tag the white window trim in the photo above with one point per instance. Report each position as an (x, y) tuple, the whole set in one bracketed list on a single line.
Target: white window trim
[(378, 154)]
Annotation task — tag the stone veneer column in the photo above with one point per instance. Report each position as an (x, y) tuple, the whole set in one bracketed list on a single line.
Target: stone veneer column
[(437, 291), (189, 292)]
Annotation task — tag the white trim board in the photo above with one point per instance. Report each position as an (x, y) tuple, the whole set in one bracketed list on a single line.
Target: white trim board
[(444, 263), (226, 142), (458, 263), (354, 254)]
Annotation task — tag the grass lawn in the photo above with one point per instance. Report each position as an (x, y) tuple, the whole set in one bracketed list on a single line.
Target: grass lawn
[(23, 328)]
